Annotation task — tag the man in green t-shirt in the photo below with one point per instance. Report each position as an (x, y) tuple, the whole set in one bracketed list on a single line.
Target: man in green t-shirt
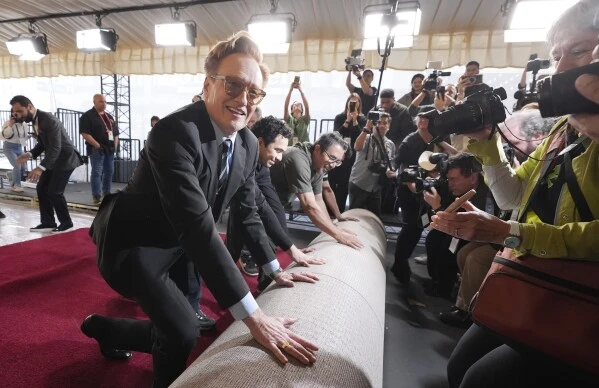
[(300, 173), (298, 116)]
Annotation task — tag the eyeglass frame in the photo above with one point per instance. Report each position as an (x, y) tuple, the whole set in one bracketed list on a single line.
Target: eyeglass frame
[(247, 88), (332, 160)]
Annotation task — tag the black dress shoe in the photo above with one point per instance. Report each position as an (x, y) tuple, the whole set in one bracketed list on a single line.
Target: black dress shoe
[(91, 328), (206, 323), (456, 317), (62, 228)]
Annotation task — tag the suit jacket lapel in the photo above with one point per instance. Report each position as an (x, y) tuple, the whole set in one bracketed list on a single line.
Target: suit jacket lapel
[(209, 150)]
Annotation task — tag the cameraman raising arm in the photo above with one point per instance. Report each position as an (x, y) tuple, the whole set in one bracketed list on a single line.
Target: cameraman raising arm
[(366, 92)]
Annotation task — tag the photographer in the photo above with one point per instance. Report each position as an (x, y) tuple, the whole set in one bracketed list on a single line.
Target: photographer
[(462, 173), (366, 92), (417, 92), (349, 124), (411, 202), (551, 222), (471, 81), (297, 119), (371, 165)]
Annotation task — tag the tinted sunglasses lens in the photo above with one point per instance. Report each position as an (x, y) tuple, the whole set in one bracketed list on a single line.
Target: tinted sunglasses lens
[(233, 87), (255, 97)]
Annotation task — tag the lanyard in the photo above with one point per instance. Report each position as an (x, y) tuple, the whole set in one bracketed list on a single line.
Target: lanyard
[(106, 121)]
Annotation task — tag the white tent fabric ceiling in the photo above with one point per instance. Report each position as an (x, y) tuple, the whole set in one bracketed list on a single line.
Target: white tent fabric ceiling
[(452, 31)]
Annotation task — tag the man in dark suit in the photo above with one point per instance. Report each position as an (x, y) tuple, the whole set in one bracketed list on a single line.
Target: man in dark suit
[(194, 162), (53, 172)]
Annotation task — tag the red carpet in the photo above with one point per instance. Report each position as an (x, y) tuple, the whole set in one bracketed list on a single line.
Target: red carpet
[(47, 287)]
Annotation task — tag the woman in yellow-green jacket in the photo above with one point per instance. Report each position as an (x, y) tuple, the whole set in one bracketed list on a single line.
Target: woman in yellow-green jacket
[(550, 223)]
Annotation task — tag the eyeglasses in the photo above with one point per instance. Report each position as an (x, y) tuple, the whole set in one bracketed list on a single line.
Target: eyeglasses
[(235, 86), (333, 160)]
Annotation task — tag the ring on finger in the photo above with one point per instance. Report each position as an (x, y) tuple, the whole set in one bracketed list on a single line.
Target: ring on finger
[(285, 344)]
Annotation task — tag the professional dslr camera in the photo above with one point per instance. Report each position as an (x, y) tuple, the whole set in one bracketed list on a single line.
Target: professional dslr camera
[(479, 110), (355, 61), (558, 95), (432, 82), (419, 176), (524, 97)]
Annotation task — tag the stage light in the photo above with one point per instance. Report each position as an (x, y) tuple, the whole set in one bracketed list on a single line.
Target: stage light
[(28, 47), (524, 27), (175, 34), (380, 21), (97, 39), (272, 32)]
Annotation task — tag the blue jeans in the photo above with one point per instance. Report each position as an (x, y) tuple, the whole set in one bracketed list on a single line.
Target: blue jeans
[(12, 152), (102, 170)]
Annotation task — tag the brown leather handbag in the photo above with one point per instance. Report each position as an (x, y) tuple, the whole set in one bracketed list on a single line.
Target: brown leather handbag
[(548, 305)]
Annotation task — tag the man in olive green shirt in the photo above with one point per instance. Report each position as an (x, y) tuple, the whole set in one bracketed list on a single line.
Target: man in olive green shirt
[(300, 173)]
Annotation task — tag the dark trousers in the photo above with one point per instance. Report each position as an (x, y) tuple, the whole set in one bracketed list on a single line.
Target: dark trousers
[(411, 230), (172, 330), (481, 360), (339, 182), (187, 278), (442, 264), (362, 199), (50, 193)]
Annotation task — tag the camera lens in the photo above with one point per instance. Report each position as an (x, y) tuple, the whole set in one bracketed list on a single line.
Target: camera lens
[(558, 95)]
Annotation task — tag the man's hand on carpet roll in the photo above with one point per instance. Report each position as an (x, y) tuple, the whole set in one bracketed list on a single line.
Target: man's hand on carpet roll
[(273, 333), (286, 279), (300, 257), (348, 238)]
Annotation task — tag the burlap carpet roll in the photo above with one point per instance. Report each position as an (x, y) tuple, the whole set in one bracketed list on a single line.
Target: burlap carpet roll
[(343, 313)]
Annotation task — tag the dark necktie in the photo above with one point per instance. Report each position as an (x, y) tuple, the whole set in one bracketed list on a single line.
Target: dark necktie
[(223, 171)]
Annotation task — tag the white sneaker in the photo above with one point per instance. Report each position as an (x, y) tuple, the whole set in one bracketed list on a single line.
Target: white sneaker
[(422, 259), (17, 189)]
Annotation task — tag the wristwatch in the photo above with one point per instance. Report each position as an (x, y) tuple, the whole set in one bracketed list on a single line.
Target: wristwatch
[(513, 240)]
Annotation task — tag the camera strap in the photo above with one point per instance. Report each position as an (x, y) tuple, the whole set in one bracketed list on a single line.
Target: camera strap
[(581, 203), (571, 181), (379, 143)]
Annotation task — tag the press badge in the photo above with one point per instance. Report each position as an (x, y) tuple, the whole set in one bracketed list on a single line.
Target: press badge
[(453, 246), (110, 136)]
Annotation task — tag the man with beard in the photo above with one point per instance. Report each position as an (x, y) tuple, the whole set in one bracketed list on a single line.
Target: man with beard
[(53, 172), (300, 173)]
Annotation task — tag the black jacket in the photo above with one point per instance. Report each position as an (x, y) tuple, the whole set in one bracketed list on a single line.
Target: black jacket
[(167, 203), (52, 139)]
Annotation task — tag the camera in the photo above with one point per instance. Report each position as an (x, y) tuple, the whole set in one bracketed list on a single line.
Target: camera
[(374, 116), (479, 110), (355, 61), (537, 64), (558, 95), (419, 176), (524, 97), (432, 82)]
